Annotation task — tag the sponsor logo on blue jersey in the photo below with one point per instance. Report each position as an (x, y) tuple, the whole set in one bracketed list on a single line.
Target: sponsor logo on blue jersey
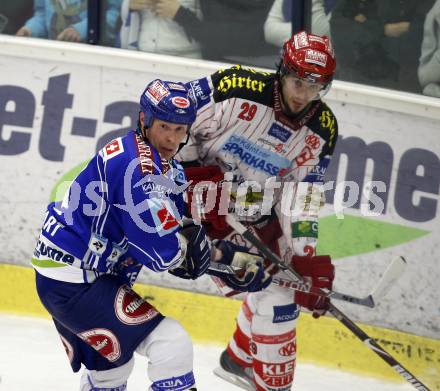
[(45, 249), (200, 91), (163, 216), (279, 132), (318, 172), (255, 156), (284, 313), (154, 190), (162, 186)]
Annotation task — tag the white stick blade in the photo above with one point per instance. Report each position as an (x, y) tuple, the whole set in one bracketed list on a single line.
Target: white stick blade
[(391, 275)]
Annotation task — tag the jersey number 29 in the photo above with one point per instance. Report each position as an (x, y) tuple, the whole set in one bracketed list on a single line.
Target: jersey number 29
[(247, 111)]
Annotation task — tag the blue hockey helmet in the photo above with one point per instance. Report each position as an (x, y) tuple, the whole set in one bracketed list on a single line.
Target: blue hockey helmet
[(167, 101)]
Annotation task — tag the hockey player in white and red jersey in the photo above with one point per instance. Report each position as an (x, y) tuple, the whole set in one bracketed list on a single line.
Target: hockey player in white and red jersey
[(268, 138)]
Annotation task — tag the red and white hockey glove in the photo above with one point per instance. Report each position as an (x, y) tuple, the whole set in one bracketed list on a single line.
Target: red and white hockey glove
[(204, 199), (320, 272)]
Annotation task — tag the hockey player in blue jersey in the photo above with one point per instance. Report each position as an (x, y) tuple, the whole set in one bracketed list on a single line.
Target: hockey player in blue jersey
[(124, 211)]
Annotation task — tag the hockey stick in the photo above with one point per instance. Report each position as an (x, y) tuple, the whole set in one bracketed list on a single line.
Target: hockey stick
[(394, 270), (338, 314), (392, 273)]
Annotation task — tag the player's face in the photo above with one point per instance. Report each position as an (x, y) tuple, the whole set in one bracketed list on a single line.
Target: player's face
[(166, 137), (298, 93)]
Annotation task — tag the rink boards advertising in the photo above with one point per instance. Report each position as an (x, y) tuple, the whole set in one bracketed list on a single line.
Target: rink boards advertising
[(383, 183)]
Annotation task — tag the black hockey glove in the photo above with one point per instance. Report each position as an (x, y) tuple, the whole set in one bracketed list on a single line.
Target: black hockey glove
[(249, 276), (198, 252)]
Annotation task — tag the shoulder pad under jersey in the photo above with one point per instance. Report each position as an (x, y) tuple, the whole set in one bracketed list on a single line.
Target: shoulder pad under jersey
[(324, 123), (246, 83)]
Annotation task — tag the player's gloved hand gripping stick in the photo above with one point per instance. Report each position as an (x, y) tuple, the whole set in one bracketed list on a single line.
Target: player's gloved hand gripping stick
[(206, 180), (196, 248), (240, 270), (339, 315), (247, 273), (391, 274)]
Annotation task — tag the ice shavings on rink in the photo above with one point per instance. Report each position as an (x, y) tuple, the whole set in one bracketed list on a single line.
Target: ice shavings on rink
[(32, 358)]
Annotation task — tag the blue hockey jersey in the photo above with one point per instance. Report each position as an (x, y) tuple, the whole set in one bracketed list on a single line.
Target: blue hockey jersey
[(121, 212)]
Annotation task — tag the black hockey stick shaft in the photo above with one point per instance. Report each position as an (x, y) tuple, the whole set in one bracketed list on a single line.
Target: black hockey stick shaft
[(338, 314), (376, 348)]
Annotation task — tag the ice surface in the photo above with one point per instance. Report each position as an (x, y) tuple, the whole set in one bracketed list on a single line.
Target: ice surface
[(32, 358)]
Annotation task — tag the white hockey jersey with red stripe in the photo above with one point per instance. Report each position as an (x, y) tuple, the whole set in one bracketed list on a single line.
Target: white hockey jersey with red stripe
[(241, 128)]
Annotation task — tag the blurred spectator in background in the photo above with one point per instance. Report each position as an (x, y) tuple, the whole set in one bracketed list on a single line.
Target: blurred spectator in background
[(357, 32), (229, 30), (149, 25), (66, 20), (328, 5), (13, 14), (429, 68), (278, 25), (378, 42)]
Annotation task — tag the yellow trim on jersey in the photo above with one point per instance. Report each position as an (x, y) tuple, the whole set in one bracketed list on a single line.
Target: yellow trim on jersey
[(212, 319)]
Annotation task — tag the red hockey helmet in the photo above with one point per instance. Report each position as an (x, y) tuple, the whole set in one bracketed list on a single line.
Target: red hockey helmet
[(309, 57)]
